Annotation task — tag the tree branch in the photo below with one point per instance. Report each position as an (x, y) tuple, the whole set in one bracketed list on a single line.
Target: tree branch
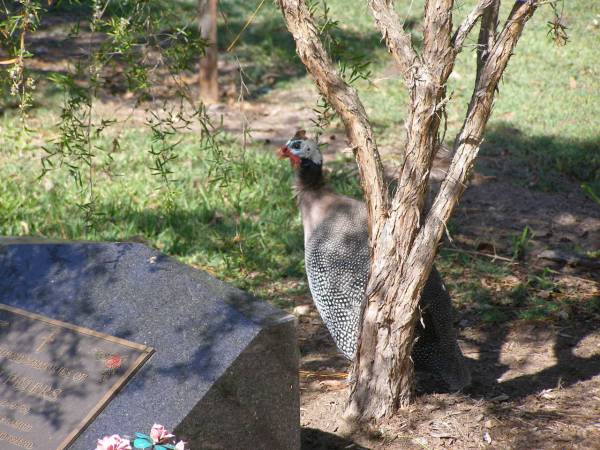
[(438, 52), (396, 39), (422, 124), (469, 139), (467, 25), (404, 250), (344, 99), (487, 34)]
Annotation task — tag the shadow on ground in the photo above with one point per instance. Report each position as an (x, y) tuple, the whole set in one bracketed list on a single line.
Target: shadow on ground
[(492, 374), (506, 148), (315, 439)]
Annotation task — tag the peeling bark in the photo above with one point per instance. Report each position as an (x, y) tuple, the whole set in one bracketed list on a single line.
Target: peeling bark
[(487, 34)]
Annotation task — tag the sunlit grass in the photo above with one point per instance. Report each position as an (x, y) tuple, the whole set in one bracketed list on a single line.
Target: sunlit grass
[(247, 231)]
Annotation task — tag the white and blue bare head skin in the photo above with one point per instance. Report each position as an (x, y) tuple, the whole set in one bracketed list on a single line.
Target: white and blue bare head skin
[(306, 158), (303, 148)]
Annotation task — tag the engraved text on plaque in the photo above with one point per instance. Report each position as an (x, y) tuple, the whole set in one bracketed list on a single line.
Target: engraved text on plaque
[(55, 378)]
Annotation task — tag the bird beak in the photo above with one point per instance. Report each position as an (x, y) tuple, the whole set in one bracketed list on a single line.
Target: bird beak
[(283, 152)]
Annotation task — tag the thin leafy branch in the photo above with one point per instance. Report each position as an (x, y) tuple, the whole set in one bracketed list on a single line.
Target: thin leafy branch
[(352, 65), (131, 40), (17, 20)]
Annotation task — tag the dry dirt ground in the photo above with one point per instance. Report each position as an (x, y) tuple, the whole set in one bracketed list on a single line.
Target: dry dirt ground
[(535, 386)]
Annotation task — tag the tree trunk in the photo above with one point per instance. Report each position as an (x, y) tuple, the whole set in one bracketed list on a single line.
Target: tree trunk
[(403, 241), (207, 21), (383, 369)]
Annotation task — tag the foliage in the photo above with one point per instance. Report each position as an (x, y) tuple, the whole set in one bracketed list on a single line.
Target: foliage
[(135, 35), (14, 27), (520, 243)]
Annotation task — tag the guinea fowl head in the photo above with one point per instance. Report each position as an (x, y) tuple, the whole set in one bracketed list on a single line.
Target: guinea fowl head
[(301, 151)]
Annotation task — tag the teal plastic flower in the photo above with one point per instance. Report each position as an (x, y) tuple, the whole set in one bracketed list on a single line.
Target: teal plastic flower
[(144, 441)]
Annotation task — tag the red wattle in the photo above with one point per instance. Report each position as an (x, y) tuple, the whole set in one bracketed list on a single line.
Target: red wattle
[(284, 152), (295, 160)]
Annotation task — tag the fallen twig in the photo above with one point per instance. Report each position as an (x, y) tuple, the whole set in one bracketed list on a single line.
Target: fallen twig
[(476, 253)]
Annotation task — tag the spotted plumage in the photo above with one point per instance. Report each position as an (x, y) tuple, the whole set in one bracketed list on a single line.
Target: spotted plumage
[(336, 255), (337, 264)]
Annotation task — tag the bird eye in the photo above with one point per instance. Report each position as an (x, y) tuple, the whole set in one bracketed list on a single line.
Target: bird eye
[(296, 145)]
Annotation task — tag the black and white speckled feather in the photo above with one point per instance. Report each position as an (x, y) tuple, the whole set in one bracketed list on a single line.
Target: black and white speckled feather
[(336, 254)]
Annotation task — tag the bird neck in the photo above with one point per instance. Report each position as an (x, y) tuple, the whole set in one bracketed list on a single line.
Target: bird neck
[(309, 176)]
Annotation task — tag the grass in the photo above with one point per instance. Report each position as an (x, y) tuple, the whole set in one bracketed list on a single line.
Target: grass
[(497, 291), (233, 230), (249, 232)]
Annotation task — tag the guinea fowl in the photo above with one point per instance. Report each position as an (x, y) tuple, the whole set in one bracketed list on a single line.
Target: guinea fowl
[(337, 264)]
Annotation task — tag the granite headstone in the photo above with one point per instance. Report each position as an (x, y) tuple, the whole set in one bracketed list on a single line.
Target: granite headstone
[(221, 368)]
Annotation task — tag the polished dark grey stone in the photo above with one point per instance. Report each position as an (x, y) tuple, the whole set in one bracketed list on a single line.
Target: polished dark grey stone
[(225, 371)]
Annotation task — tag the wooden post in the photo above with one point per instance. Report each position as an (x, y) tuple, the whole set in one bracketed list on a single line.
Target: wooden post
[(207, 21)]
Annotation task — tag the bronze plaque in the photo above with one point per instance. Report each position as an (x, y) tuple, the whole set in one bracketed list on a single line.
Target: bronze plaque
[(55, 378)]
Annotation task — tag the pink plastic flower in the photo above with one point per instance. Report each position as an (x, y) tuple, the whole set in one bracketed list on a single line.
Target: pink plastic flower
[(180, 445), (159, 434), (114, 442)]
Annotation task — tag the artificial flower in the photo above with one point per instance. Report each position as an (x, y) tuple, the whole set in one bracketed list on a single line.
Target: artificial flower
[(114, 442), (159, 434)]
